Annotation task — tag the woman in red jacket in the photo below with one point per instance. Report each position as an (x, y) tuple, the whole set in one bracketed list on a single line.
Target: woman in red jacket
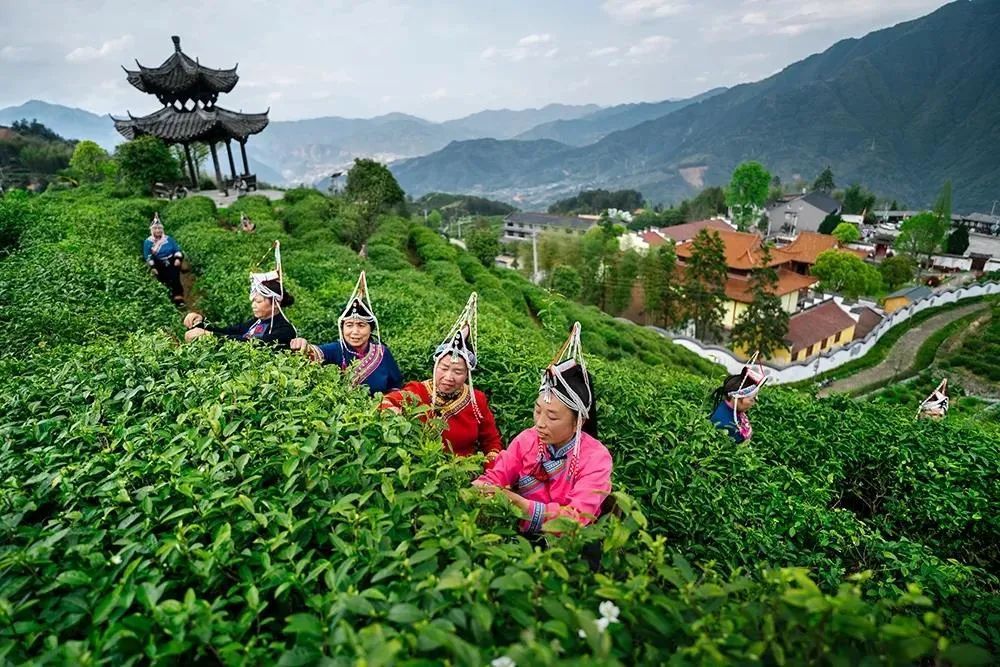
[(470, 426)]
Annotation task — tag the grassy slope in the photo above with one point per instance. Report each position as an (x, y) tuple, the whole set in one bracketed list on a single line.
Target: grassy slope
[(238, 475)]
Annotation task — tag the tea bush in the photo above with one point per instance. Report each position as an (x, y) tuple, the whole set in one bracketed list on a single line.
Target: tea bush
[(220, 503)]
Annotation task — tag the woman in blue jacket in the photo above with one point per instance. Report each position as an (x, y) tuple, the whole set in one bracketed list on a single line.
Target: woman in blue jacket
[(732, 401), (164, 257)]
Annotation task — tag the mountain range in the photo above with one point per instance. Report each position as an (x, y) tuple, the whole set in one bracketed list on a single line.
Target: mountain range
[(900, 111)]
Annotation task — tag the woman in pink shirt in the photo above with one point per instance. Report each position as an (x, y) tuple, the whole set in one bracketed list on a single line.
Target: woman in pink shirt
[(557, 468)]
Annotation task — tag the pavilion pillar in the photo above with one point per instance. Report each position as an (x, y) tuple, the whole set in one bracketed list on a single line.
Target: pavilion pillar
[(229, 152), (190, 165), (218, 170), (243, 152)]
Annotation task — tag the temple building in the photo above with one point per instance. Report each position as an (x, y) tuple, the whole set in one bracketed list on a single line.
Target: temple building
[(189, 92)]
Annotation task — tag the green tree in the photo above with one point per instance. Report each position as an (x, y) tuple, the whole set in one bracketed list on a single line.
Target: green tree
[(922, 235), (90, 163), (896, 270), (434, 220), (483, 241), (847, 232), (764, 324), (958, 240), (598, 249), (372, 190), (708, 203), (824, 182), (942, 207), (830, 223), (626, 270), (566, 281), (747, 193), (705, 277), (858, 200), (659, 284), (144, 161), (845, 273)]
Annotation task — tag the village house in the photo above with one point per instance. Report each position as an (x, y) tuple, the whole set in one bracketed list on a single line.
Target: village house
[(822, 327), (522, 226), (744, 252), (902, 298), (642, 241), (801, 214)]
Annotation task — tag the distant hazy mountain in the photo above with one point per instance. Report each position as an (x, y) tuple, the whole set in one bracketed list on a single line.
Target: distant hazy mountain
[(478, 165), (65, 121), (507, 123), (595, 126), (899, 110)]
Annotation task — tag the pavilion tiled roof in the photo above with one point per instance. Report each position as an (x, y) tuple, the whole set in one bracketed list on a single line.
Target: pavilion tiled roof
[(182, 77), (196, 125)]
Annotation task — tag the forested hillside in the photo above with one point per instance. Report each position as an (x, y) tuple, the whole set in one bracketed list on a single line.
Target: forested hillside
[(220, 503)]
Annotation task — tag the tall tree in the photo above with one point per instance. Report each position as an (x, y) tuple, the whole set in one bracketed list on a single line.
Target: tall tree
[(622, 280), (958, 240), (830, 223), (659, 285), (144, 161), (921, 236), (483, 241), (846, 232), (705, 284), (896, 270), (599, 249), (566, 281), (845, 273), (942, 207), (747, 193), (764, 324), (90, 163), (824, 182), (858, 200), (372, 189)]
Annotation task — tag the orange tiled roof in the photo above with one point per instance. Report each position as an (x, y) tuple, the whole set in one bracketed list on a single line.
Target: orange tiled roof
[(743, 250), (688, 230), (808, 245), (652, 238), (738, 287)]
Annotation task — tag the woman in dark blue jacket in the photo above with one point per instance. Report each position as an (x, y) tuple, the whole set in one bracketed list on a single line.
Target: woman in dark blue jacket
[(164, 257)]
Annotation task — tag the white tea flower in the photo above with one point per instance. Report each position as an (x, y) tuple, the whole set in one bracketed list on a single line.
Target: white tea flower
[(503, 661), (609, 610)]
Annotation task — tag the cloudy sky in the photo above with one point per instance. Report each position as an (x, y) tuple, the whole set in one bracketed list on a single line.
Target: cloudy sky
[(438, 59)]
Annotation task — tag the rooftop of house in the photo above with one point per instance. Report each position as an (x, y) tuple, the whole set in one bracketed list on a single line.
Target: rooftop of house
[(688, 230), (549, 220), (816, 324), (913, 293), (807, 246)]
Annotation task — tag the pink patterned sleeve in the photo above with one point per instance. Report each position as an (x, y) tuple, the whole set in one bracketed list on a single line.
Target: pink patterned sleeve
[(591, 486), (506, 468)]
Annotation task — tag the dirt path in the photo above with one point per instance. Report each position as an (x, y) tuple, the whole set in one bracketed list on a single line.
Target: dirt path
[(902, 354)]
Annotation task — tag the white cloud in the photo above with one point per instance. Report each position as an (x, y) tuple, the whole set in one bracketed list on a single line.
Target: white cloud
[(791, 18), (654, 44), (543, 38), (84, 54), (632, 11), (14, 54), (530, 46), (606, 51), (438, 94)]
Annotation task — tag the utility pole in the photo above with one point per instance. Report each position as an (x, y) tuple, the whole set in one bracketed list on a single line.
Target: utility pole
[(536, 275)]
